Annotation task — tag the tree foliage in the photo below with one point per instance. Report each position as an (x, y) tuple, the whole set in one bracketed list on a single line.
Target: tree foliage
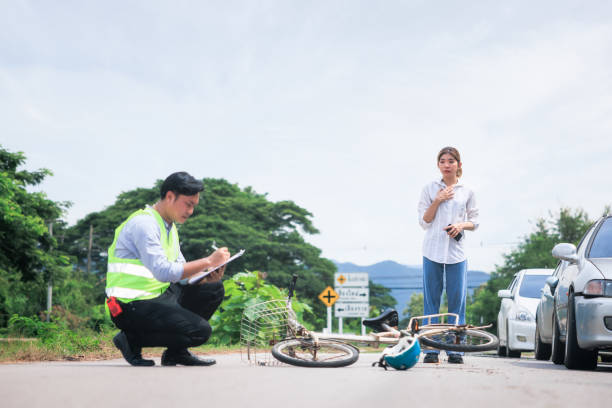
[(380, 298), (415, 305), (28, 251), (533, 252)]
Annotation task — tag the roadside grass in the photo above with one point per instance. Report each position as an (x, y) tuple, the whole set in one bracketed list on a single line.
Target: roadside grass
[(65, 345), (82, 346)]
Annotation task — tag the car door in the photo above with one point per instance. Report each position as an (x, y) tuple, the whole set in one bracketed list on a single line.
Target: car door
[(565, 280), (547, 302), (504, 310)]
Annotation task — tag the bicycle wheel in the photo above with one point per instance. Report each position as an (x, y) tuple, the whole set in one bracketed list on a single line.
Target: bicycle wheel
[(454, 339), (303, 353)]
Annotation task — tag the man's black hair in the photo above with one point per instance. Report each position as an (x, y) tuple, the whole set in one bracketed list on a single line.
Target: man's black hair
[(181, 183)]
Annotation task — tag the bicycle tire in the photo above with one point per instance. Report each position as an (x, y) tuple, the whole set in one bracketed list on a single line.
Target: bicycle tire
[(473, 340), (303, 353)]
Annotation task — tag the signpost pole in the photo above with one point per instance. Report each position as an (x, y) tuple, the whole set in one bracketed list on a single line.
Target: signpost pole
[(340, 325), (329, 319)]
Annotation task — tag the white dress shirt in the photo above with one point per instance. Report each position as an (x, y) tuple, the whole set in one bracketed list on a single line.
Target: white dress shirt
[(438, 246)]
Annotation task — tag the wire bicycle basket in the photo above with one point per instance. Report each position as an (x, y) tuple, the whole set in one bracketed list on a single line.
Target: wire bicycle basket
[(263, 325)]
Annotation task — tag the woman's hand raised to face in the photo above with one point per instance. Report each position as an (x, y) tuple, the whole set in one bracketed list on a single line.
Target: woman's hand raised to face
[(445, 194)]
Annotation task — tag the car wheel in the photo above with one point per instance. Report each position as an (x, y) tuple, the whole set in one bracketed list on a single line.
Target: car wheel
[(509, 352), (576, 358), (558, 347), (542, 350)]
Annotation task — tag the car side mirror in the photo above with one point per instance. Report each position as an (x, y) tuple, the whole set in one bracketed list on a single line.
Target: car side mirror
[(552, 282), (565, 252), (504, 294)]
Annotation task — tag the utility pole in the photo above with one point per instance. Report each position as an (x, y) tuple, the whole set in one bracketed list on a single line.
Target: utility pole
[(89, 248), (49, 284)]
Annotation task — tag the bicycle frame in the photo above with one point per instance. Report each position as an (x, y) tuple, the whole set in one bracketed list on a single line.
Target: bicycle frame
[(390, 336)]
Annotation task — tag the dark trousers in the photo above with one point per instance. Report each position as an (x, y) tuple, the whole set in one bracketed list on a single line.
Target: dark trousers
[(177, 319)]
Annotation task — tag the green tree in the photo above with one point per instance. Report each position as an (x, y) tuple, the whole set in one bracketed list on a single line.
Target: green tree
[(533, 252), (28, 252), (76, 238), (380, 298), (414, 307)]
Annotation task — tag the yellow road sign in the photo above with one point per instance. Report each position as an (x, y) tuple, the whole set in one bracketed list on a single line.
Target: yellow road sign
[(328, 296)]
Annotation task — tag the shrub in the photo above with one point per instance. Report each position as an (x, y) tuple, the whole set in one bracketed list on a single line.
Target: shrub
[(242, 290)]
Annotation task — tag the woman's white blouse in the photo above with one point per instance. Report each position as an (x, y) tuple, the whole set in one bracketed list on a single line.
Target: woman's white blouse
[(437, 245)]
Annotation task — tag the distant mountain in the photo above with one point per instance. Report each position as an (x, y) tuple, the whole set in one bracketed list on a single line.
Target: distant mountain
[(381, 269), (403, 280)]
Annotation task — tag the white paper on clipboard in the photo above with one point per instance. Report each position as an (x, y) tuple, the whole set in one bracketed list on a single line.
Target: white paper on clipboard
[(201, 275)]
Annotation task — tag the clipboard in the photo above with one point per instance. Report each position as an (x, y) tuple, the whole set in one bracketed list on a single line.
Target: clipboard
[(201, 275)]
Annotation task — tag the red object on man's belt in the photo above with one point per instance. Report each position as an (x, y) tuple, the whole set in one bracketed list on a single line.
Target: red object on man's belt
[(113, 306)]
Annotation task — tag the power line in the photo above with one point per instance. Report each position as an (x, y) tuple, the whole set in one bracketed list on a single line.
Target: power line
[(421, 287)]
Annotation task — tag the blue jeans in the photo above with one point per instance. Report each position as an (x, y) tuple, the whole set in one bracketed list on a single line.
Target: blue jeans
[(456, 289)]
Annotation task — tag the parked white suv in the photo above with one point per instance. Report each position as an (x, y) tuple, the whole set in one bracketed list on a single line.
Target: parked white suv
[(516, 318)]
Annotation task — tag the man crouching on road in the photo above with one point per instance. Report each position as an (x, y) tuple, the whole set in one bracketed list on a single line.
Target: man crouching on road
[(145, 266)]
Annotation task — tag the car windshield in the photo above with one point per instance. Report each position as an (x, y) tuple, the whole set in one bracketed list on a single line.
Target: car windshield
[(531, 285), (602, 244)]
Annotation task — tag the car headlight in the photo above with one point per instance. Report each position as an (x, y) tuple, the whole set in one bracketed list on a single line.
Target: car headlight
[(598, 287), (523, 315)]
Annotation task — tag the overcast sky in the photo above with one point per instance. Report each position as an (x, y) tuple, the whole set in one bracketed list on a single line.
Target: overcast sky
[(340, 106)]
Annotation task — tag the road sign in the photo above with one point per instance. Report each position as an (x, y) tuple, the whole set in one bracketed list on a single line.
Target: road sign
[(354, 291), (360, 295), (328, 296), (351, 279), (342, 309)]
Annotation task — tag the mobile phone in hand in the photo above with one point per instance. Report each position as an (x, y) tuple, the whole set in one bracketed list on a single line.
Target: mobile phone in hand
[(458, 236)]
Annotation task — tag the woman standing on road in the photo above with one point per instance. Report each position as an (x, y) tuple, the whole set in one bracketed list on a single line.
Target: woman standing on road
[(447, 208)]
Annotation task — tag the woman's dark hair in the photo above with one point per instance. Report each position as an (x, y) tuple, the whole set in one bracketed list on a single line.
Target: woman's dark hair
[(453, 152), (181, 183)]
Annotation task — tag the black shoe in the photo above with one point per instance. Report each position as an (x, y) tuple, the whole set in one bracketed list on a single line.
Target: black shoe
[(184, 357), (431, 358), (455, 359), (131, 354)]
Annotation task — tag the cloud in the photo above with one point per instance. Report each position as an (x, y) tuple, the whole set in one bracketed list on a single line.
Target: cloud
[(338, 106)]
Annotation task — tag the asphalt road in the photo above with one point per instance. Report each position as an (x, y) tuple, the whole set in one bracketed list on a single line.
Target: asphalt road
[(482, 381)]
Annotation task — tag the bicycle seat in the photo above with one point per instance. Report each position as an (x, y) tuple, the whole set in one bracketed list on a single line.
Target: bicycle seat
[(389, 317)]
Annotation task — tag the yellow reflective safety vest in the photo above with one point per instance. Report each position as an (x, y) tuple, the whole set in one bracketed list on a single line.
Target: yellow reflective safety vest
[(129, 279)]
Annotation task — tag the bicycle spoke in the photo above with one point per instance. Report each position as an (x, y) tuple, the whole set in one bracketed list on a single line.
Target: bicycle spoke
[(305, 353), (458, 339), (317, 353)]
